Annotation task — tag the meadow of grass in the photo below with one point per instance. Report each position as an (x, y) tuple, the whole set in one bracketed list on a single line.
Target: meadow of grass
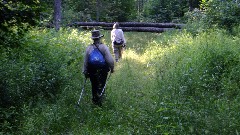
[(166, 83)]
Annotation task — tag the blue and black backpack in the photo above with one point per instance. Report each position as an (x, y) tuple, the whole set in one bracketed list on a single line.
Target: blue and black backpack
[(96, 60)]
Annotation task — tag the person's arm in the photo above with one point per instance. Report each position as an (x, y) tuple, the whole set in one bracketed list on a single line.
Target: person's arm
[(124, 40), (85, 64), (112, 35), (109, 59)]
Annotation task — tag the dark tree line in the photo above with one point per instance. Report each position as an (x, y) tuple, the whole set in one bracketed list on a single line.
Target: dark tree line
[(15, 18), (18, 15), (130, 10), (44, 11)]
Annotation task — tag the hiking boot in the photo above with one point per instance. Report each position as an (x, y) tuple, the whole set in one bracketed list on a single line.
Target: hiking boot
[(97, 102)]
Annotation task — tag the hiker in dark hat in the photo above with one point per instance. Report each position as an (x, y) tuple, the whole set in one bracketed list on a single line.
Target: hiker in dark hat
[(118, 41), (97, 63)]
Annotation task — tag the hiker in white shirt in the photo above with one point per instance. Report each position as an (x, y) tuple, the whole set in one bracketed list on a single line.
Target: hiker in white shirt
[(118, 41)]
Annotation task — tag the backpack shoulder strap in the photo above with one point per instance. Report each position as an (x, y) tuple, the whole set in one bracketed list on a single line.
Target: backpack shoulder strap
[(99, 50)]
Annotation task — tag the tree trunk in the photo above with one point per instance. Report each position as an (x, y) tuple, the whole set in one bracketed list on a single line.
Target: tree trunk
[(143, 29), (190, 5), (98, 10), (57, 14), (136, 29), (128, 24), (194, 4)]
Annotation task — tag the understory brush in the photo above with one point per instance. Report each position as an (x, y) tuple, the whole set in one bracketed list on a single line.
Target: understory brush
[(37, 71), (199, 83), (167, 83)]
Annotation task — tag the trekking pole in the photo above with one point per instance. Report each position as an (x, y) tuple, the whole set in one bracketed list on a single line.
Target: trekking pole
[(105, 85), (85, 80)]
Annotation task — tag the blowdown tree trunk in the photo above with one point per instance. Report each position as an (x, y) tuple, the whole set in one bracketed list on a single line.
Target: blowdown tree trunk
[(128, 24), (137, 29)]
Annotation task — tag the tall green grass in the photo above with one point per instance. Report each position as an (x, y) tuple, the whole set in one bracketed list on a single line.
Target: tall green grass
[(199, 83), (169, 83), (37, 71)]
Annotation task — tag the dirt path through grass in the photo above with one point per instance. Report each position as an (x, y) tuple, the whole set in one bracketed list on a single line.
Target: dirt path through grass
[(132, 94), (131, 98)]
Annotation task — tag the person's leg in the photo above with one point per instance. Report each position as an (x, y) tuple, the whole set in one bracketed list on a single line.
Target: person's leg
[(94, 83), (102, 83), (98, 80), (102, 79), (116, 52), (120, 52)]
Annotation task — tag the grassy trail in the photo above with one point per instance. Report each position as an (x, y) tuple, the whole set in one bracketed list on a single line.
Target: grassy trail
[(167, 83), (130, 97)]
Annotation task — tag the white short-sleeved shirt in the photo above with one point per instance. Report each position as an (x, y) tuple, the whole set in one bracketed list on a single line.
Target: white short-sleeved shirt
[(117, 35)]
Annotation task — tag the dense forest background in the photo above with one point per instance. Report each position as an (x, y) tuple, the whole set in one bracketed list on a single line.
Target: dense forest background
[(189, 81), (17, 16)]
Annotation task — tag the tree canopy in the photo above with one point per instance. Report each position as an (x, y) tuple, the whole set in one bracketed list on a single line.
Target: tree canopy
[(18, 15), (185, 75)]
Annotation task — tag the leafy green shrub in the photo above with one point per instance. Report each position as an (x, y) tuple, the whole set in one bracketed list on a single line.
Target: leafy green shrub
[(16, 18), (213, 13), (200, 76), (167, 83), (40, 68), (196, 21), (223, 13)]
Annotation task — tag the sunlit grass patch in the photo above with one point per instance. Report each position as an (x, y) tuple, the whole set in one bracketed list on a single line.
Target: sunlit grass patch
[(131, 54)]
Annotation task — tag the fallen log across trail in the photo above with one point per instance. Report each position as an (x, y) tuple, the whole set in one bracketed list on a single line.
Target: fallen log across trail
[(129, 26), (137, 29)]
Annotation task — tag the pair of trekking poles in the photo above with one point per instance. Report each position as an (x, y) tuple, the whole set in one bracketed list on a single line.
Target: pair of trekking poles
[(83, 88)]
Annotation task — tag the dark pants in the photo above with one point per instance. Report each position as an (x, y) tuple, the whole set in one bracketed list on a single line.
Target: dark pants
[(98, 80)]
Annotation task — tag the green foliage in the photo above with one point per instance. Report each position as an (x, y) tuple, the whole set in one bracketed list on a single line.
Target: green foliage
[(38, 70), (187, 83), (223, 13), (196, 21), (199, 82), (16, 17), (122, 10), (165, 11), (214, 13), (108, 10)]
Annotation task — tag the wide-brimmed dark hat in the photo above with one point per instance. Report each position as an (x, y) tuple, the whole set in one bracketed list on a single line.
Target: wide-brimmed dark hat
[(96, 34)]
